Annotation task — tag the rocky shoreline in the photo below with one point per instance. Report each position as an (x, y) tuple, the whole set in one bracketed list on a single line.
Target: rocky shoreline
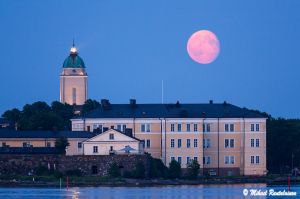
[(81, 182)]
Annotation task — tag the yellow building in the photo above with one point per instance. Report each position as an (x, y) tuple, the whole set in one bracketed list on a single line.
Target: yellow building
[(225, 139), (73, 80)]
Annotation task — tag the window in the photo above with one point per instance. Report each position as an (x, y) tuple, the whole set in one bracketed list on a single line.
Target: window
[(206, 127), (206, 159), (148, 144), (79, 145), (195, 143), (229, 159), (195, 127), (229, 127), (188, 127), (257, 142), (257, 159), (179, 127), (172, 127), (111, 148), (97, 126), (145, 128), (3, 144), (172, 143), (179, 160), (121, 127), (172, 158), (26, 144), (196, 159), (179, 143), (257, 127), (206, 143), (74, 95), (188, 143), (252, 159), (252, 142), (48, 144), (229, 143), (143, 143), (94, 169), (188, 160), (95, 149), (111, 136), (252, 127)]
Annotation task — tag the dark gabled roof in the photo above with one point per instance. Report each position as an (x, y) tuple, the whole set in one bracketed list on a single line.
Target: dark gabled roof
[(223, 110), (10, 133)]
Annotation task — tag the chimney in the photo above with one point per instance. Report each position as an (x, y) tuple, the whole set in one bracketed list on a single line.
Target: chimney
[(224, 103), (211, 101), (177, 104), (132, 102)]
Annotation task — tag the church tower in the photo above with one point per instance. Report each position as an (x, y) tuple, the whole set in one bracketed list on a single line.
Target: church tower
[(73, 80)]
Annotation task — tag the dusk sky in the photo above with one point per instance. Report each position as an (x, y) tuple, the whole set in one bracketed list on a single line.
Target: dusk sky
[(129, 47)]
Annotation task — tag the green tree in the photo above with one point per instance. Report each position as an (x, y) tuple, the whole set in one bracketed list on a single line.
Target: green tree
[(193, 169), (114, 170), (13, 115), (139, 170), (174, 169), (89, 105), (61, 144), (157, 168)]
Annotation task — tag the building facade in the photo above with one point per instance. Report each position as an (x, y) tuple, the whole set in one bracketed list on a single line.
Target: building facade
[(73, 80), (223, 138)]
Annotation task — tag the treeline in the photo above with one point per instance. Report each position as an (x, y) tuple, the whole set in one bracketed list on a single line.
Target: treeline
[(41, 116)]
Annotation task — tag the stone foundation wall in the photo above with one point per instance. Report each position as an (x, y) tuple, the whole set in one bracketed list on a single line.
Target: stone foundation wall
[(88, 165)]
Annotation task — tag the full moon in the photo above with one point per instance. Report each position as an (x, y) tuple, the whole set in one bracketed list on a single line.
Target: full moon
[(203, 47)]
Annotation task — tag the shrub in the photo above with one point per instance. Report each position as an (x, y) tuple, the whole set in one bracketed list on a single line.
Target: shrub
[(41, 170), (139, 170), (114, 170), (157, 168), (174, 169), (193, 169)]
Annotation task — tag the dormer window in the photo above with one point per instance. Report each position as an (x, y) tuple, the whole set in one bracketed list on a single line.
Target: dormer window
[(111, 136)]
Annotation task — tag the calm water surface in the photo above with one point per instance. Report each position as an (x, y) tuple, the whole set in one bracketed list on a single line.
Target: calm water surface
[(162, 192)]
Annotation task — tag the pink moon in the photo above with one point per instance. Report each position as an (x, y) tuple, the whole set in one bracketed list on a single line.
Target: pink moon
[(203, 47)]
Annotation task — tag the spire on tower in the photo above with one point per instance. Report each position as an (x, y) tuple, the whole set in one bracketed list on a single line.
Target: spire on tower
[(73, 49)]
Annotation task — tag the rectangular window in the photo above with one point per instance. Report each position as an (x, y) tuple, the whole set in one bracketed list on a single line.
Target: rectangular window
[(95, 149), (188, 143), (179, 160), (179, 127), (257, 159), (26, 144), (257, 142), (188, 160), (206, 127), (119, 127), (195, 127), (172, 158), (231, 143), (188, 127), (252, 127), (206, 143), (257, 127), (172, 143), (252, 143), (196, 159), (195, 143), (179, 143), (229, 127), (148, 144), (143, 128), (172, 127), (74, 95), (79, 145), (111, 136), (48, 144), (252, 159), (143, 143), (206, 160), (3, 144), (226, 144), (229, 159)]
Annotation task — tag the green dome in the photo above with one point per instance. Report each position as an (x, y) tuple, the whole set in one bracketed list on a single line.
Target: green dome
[(73, 61)]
